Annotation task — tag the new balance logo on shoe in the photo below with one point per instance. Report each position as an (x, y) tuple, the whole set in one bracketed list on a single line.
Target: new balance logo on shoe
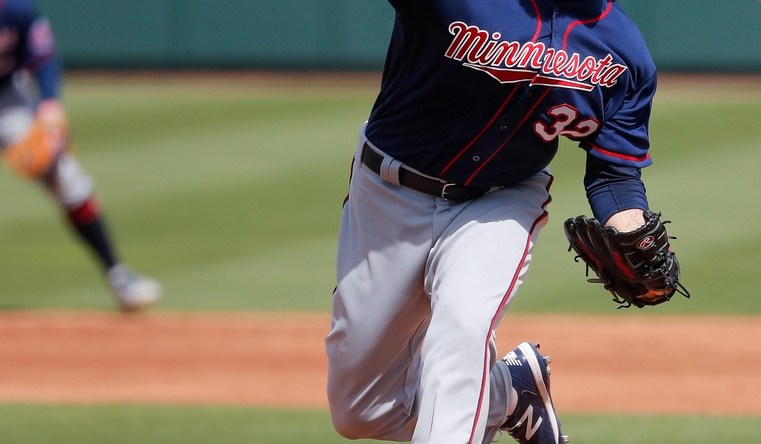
[(533, 419), (512, 359), (531, 425)]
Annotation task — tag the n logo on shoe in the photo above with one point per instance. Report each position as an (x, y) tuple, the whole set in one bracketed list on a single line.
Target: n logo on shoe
[(528, 419)]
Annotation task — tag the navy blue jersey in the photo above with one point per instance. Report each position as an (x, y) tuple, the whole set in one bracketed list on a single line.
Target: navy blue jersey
[(26, 42), (478, 92)]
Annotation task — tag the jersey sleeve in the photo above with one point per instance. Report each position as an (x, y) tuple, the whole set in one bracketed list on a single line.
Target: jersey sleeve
[(613, 188), (38, 52), (624, 138), (49, 79), (620, 150), (39, 44)]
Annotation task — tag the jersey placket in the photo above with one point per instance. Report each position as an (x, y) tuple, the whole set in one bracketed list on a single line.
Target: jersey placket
[(511, 118)]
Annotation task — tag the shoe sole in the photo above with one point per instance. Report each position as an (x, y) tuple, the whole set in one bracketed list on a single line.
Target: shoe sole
[(136, 307), (139, 305), (151, 292), (531, 354)]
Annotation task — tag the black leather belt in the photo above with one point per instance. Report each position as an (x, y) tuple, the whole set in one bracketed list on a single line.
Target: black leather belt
[(434, 187)]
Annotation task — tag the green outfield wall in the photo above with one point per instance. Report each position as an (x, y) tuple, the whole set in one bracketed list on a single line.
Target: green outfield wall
[(683, 35)]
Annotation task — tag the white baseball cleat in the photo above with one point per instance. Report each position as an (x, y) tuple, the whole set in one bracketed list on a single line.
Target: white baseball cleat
[(133, 291)]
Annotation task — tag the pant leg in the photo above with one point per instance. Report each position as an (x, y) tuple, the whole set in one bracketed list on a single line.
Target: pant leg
[(380, 310), (16, 115), (474, 271)]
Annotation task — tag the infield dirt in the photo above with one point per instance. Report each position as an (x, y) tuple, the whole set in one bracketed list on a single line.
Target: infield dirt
[(620, 363)]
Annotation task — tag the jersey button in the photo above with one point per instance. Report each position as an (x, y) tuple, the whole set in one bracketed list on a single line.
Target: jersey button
[(503, 128)]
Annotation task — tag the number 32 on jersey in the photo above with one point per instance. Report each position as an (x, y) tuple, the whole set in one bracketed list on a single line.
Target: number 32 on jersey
[(565, 121)]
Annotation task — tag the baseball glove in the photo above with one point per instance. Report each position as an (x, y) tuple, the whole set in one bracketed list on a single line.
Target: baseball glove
[(34, 155), (638, 268)]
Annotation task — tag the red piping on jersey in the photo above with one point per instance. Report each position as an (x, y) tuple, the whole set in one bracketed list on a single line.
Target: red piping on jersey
[(538, 21), (585, 22), (502, 107), (505, 299), (517, 128), (607, 153), (480, 133)]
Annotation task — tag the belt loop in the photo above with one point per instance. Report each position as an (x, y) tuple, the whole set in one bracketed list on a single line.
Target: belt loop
[(358, 155), (389, 170)]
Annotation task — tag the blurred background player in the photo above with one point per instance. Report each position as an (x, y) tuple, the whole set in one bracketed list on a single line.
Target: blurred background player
[(34, 140)]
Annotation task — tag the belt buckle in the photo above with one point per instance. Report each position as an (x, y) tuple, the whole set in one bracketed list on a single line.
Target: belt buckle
[(445, 190)]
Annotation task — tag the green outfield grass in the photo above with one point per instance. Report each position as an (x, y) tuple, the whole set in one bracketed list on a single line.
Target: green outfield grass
[(229, 192), (44, 424)]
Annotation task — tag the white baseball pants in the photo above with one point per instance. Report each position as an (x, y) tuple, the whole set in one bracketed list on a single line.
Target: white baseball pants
[(422, 284)]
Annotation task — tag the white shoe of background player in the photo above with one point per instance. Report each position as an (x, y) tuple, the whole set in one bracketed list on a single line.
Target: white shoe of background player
[(133, 291)]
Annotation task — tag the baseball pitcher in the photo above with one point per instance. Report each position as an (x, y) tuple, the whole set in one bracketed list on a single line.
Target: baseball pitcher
[(448, 194)]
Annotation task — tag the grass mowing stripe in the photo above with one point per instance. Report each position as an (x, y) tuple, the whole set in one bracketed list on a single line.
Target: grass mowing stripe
[(128, 424), (661, 429), (118, 424)]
